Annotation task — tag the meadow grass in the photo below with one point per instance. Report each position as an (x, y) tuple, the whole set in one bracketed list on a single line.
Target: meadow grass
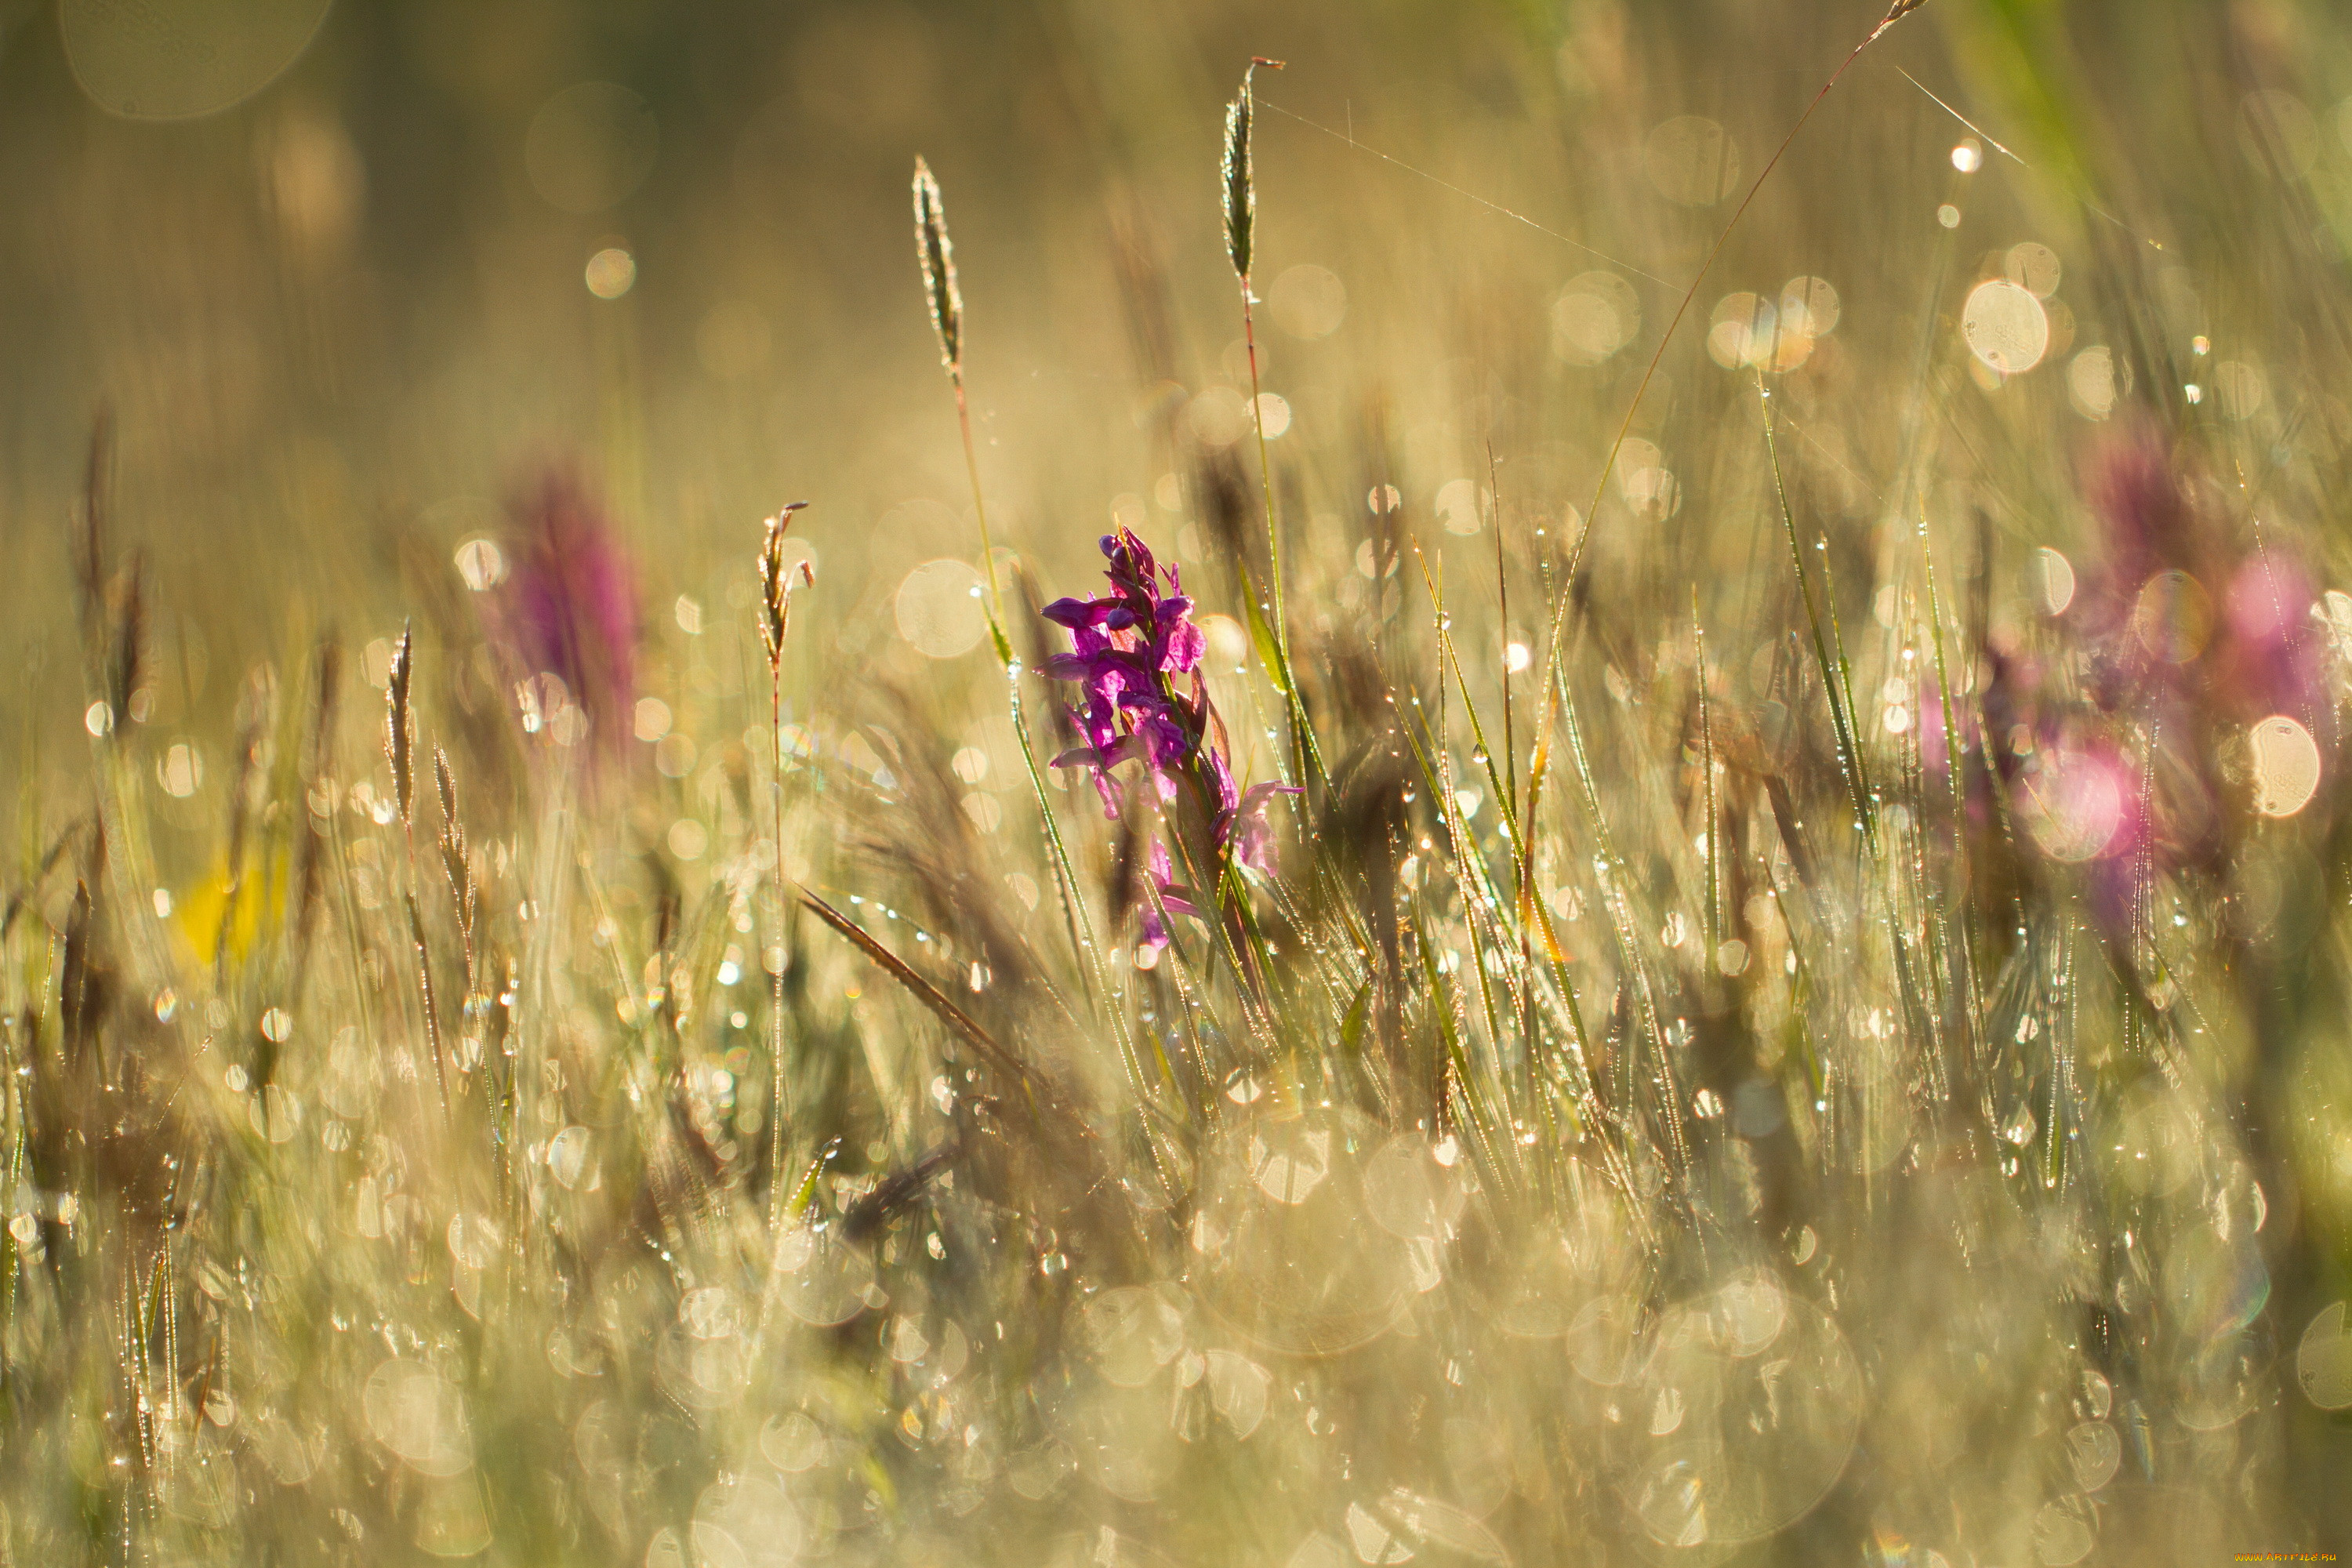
[(1763, 982)]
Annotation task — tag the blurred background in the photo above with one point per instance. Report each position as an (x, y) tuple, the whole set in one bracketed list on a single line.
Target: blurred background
[(348, 274), (349, 282)]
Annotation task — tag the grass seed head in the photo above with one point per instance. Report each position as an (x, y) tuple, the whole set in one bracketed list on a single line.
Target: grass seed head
[(1241, 186), (775, 586), (124, 652), (937, 253), (446, 785), (400, 732), (1895, 13), (1241, 199)]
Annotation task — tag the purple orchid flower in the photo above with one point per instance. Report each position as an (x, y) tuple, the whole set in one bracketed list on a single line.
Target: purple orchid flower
[(1128, 648)]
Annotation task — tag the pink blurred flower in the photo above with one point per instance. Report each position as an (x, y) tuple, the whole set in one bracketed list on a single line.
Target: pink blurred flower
[(569, 609), (2136, 490), (2270, 660)]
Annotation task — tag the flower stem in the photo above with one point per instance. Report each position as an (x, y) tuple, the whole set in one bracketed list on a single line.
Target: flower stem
[(980, 510), (1074, 908), (776, 975), (1306, 756), (1264, 475)]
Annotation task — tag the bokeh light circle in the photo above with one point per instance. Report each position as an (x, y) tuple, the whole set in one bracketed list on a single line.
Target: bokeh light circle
[(1741, 1418), (2005, 326), (2074, 803), (590, 146), (1309, 301), (481, 563), (1810, 306), (611, 273), (2053, 582), (1218, 417), (419, 1415), (2033, 266), (1596, 314), (183, 60), (1692, 160), (2091, 382), (1292, 1258), (2286, 764), (2323, 1360), (939, 609)]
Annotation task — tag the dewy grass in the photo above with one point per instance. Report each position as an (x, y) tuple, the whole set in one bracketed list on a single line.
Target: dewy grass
[(1854, 1072)]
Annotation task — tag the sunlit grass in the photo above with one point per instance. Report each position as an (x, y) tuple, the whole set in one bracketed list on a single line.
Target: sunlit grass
[(1711, 933)]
